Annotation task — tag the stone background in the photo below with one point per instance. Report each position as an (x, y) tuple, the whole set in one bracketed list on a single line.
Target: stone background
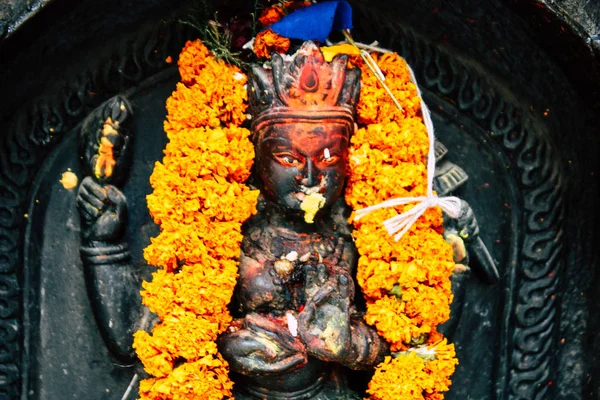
[(582, 13)]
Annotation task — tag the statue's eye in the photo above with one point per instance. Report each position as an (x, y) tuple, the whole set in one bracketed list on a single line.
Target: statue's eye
[(287, 159), (327, 158)]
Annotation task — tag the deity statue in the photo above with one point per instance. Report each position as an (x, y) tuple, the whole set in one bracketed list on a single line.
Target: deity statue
[(297, 324), (295, 268)]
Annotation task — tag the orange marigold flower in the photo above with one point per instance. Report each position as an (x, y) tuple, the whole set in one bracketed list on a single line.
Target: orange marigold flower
[(206, 378), (193, 58), (200, 201), (182, 334), (388, 315), (420, 374), (375, 105), (400, 378), (212, 92), (406, 283), (155, 361), (220, 99), (194, 243), (199, 288), (441, 368), (271, 15), (268, 42)]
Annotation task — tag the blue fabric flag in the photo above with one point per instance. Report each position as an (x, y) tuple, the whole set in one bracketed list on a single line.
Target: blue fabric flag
[(315, 22)]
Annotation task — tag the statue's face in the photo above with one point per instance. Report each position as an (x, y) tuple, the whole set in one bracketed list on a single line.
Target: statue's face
[(298, 158)]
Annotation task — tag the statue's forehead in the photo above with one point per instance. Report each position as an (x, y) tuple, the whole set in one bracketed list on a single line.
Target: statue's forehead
[(307, 142), (308, 131)]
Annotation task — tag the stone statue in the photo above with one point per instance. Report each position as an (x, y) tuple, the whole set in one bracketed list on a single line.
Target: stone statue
[(297, 322), (290, 269)]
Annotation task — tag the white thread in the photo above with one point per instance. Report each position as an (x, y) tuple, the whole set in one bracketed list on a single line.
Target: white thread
[(373, 47), (400, 224), (130, 387), (374, 67)]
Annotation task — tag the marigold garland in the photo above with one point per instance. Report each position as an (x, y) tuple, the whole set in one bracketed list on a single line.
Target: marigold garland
[(200, 202), (406, 283)]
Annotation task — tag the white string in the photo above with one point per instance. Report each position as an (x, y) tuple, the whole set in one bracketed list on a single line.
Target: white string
[(400, 224), (130, 387)]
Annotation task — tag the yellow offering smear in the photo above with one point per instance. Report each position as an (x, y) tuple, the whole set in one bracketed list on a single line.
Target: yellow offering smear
[(311, 204), (106, 160), (69, 180)]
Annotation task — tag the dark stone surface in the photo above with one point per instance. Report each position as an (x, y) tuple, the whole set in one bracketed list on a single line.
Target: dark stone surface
[(583, 12), (515, 90), (67, 349), (13, 13)]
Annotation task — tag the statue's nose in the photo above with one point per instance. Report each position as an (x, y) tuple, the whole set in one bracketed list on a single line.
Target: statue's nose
[(310, 174)]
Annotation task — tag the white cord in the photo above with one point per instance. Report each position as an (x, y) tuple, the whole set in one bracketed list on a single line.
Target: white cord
[(400, 224), (130, 387)]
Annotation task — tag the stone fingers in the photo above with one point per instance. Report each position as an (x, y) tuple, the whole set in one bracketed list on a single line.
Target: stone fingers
[(89, 211), (85, 197)]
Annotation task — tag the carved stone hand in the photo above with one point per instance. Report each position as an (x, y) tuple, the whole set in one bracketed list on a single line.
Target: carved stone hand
[(262, 347), (111, 279), (324, 324), (463, 234), (103, 210)]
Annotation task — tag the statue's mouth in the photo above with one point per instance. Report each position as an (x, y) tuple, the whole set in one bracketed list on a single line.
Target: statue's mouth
[(312, 189), (299, 195), (307, 191)]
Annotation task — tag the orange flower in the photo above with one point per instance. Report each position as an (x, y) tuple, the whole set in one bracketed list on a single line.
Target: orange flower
[(420, 374), (375, 105), (406, 283), (205, 378), (200, 201), (271, 15), (268, 42), (211, 93), (400, 378)]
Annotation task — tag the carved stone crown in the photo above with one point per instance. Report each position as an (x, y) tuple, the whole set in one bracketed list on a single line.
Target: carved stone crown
[(305, 88)]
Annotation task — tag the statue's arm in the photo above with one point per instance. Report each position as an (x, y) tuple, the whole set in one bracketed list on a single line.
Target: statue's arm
[(463, 234), (259, 344), (110, 277)]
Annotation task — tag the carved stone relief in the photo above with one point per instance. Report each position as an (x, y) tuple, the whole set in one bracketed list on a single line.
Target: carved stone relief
[(472, 110)]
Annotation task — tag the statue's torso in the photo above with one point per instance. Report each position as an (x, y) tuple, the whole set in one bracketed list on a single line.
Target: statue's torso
[(262, 290)]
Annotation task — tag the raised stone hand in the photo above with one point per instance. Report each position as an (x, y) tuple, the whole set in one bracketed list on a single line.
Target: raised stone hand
[(262, 347), (466, 223), (324, 324), (463, 234), (103, 210)]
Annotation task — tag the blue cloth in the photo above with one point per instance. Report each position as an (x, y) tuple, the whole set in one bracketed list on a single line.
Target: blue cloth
[(315, 22)]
